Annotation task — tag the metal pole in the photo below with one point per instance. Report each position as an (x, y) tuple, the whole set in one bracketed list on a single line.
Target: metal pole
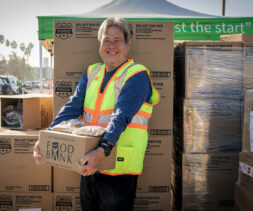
[(41, 79), (223, 7)]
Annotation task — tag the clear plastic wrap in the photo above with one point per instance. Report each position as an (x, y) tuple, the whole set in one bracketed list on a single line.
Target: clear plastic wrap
[(12, 115), (78, 127), (248, 65), (211, 71), (68, 126), (209, 179), (212, 125)]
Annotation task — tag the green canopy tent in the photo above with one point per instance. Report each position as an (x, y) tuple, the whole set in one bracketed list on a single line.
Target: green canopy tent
[(188, 25)]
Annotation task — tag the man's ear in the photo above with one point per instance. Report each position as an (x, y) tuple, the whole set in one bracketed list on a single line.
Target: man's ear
[(129, 44)]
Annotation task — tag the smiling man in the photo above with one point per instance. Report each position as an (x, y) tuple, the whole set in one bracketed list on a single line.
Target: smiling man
[(118, 95)]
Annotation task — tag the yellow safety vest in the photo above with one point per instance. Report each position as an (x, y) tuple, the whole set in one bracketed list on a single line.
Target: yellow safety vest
[(98, 108)]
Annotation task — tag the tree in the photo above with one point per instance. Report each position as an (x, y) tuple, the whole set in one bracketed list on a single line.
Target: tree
[(28, 51), (14, 44), (7, 43), (22, 47), (1, 39), (18, 67)]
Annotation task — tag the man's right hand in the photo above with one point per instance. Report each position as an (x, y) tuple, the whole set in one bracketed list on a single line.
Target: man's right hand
[(36, 152)]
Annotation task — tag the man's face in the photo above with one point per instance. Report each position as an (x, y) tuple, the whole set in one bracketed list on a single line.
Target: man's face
[(113, 48)]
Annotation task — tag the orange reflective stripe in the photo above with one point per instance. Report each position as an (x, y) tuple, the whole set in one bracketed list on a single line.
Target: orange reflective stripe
[(88, 123), (135, 125), (88, 110), (97, 108), (104, 124), (143, 113), (109, 111), (116, 174), (147, 104)]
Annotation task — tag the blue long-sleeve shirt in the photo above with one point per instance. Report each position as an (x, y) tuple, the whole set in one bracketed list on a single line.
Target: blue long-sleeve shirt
[(134, 93)]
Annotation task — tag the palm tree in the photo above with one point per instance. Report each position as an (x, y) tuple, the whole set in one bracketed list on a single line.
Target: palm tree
[(1, 39), (22, 47), (28, 50), (7, 43), (14, 44)]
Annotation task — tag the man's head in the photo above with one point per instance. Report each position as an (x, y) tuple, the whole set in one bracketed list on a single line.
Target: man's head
[(114, 35)]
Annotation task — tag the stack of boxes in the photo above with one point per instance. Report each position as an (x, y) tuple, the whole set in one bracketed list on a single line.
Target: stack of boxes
[(23, 184), (244, 185), (208, 109), (76, 47)]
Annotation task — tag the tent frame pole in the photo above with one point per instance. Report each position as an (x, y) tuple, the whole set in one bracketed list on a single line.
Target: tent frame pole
[(223, 7), (41, 76)]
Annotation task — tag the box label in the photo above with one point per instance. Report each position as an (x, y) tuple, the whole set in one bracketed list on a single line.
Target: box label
[(59, 152)]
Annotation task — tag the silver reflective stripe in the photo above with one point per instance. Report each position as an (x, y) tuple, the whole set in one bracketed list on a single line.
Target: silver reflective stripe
[(102, 119), (119, 83), (140, 120), (93, 74), (87, 117)]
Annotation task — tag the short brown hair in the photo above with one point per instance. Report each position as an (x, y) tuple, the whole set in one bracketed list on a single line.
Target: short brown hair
[(121, 23)]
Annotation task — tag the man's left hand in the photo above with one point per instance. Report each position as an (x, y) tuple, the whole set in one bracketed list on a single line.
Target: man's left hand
[(89, 162)]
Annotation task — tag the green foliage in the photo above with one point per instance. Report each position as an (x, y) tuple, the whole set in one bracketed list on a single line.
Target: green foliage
[(1, 39), (16, 66), (14, 44), (7, 43)]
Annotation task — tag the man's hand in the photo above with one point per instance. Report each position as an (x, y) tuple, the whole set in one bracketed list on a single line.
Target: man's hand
[(36, 152), (89, 162)]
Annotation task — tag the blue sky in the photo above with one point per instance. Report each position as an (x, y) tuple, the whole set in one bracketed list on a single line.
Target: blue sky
[(18, 18)]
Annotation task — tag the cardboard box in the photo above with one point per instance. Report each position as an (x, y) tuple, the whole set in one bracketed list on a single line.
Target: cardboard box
[(211, 69), (66, 181), (246, 170), (155, 179), (19, 172), (76, 46), (165, 86), (156, 174), (209, 173), (212, 125), (208, 201), (152, 201), (37, 110), (162, 116), (237, 38), (248, 65), (65, 150), (243, 198), (158, 148), (248, 107), (63, 90), (67, 201), (22, 200)]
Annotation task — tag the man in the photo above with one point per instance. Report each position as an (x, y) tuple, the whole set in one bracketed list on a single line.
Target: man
[(119, 96)]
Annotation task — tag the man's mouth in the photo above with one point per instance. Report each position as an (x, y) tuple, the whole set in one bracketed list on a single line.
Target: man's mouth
[(112, 53)]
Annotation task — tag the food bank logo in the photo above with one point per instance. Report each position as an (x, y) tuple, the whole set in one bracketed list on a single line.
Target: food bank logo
[(63, 30), (5, 202), (63, 88), (59, 152), (63, 203), (5, 145)]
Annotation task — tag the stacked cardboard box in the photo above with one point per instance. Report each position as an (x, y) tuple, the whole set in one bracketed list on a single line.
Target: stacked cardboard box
[(34, 111), (23, 184), (152, 46), (209, 93), (244, 186)]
